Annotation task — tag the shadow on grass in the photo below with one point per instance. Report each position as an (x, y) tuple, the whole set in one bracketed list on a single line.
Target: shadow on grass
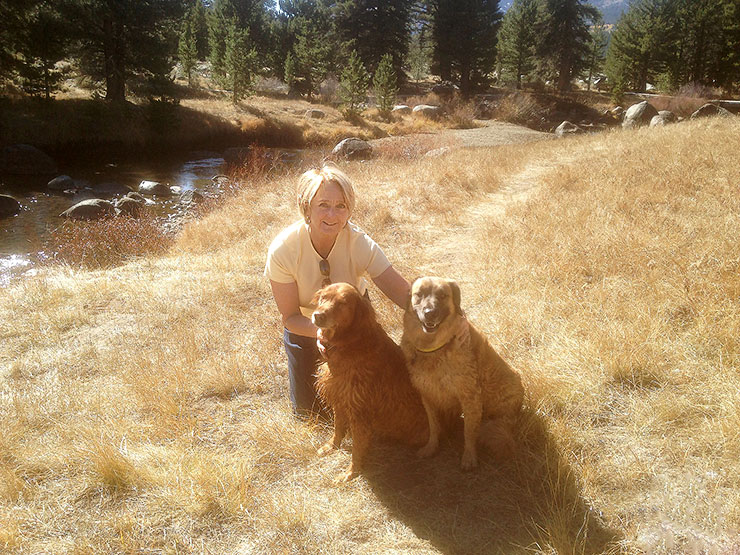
[(532, 503)]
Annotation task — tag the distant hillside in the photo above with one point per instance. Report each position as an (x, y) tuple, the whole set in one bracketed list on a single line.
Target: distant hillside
[(610, 9)]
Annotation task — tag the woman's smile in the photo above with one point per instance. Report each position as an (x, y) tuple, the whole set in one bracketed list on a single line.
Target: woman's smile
[(329, 211)]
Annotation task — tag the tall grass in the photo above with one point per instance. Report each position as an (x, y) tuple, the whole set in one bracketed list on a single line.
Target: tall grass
[(144, 407)]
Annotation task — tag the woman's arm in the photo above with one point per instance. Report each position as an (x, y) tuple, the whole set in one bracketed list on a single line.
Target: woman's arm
[(394, 286), (286, 298)]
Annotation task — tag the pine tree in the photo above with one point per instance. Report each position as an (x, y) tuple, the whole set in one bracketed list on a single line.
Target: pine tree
[(597, 51), (353, 85), (240, 62), (187, 48), (464, 38), (517, 39), (41, 43), (290, 71), (384, 83), (564, 38), (314, 54)]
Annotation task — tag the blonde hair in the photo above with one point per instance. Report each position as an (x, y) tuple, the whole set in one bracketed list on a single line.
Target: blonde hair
[(310, 181)]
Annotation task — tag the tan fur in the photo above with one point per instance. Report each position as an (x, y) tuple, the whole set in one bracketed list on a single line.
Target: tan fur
[(457, 377), (365, 380)]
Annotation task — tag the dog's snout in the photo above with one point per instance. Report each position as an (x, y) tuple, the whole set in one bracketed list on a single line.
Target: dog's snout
[(430, 311), (319, 318)]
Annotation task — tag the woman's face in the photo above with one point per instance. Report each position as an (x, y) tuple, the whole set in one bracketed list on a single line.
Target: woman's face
[(328, 212)]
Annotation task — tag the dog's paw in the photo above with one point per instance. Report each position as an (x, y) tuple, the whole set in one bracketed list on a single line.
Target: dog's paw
[(325, 449), (469, 460), (427, 451)]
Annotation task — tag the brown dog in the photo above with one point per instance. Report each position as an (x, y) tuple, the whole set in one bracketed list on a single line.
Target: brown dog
[(365, 380), (456, 376)]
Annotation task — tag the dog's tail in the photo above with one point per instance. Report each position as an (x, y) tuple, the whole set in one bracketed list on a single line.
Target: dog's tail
[(497, 437)]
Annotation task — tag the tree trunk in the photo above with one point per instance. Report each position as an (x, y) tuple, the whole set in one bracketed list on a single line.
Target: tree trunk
[(113, 50)]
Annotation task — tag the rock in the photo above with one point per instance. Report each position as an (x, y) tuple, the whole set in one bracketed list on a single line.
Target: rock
[(138, 197), (91, 209), (23, 159), (616, 112), (401, 109), (191, 197), (314, 113), (639, 114), (8, 206), (61, 183), (154, 188), (111, 189), (353, 149), (664, 117), (131, 207), (567, 128), (428, 111), (710, 110)]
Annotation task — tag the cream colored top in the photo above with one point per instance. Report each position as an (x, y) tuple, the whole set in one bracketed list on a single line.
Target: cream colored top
[(292, 258)]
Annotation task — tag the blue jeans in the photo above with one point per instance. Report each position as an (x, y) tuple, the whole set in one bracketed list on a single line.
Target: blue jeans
[(303, 360)]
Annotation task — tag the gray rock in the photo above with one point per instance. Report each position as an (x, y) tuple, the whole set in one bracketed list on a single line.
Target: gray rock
[(617, 112), (314, 113), (437, 152), (131, 207), (664, 117), (154, 188), (711, 110), (428, 111), (401, 109), (8, 206), (111, 189), (23, 159), (353, 149), (137, 197), (639, 114), (191, 197), (61, 183), (91, 209), (567, 128)]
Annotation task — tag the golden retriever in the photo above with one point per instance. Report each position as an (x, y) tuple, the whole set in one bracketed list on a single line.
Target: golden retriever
[(455, 376), (364, 379)]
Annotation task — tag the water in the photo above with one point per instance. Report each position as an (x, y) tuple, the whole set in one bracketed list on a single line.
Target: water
[(24, 238)]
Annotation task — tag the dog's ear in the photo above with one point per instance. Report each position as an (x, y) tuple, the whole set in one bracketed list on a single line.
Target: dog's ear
[(364, 311), (455, 295), (408, 295)]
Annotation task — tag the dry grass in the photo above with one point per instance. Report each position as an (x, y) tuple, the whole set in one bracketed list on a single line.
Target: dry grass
[(144, 407)]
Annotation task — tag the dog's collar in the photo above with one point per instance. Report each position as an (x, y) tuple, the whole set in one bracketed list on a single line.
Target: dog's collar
[(432, 350)]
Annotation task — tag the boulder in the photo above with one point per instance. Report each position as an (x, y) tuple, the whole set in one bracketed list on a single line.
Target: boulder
[(61, 183), (437, 152), (664, 117), (353, 149), (23, 159), (111, 189), (91, 209), (567, 128), (191, 197), (8, 206), (639, 114), (616, 112), (710, 110), (154, 188), (314, 113), (428, 111), (131, 207), (138, 197), (401, 109)]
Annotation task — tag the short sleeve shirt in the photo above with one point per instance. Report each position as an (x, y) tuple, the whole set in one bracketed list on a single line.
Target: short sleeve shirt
[(292, 258)]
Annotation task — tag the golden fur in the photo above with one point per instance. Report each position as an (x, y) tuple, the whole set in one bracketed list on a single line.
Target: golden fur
[(365, 380), (455, 376)]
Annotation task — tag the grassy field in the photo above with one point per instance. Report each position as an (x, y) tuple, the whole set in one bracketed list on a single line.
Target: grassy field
[(144, 408)]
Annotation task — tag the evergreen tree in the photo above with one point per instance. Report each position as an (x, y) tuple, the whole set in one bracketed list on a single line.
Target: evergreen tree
[(290, 71), (41, 43), (353, 85), (597, 51), (119, 40), (187, 48), (374, 28), (384, 83), (564, 39), (464, 37), (517, 40), (240, 61), (314, 54), (200, 28)]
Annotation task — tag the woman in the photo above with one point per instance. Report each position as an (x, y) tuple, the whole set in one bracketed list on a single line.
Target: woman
[(324, 247)]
